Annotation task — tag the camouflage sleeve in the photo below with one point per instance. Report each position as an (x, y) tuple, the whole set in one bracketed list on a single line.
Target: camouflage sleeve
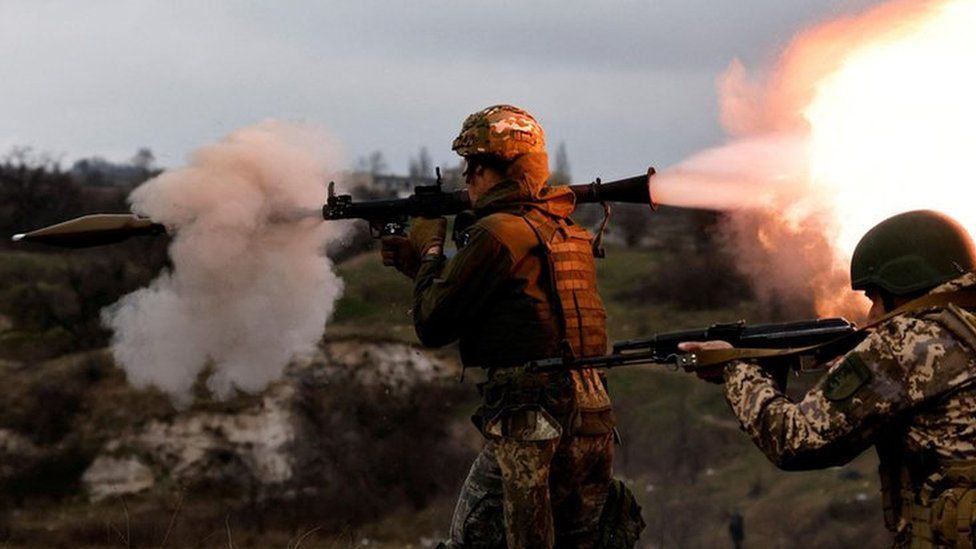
[(889, 372), (449, 294), (801, 435)]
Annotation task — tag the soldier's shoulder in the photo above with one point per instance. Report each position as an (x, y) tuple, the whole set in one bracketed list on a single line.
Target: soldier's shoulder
[(913, 325), (931, 342), (898, 343), (905, 338), (506, 227)]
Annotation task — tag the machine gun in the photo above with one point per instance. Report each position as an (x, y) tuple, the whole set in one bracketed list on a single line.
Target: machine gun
[(386, 217), (816, 338)]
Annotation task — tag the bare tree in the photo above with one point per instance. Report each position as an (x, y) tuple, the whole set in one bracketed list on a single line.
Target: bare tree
[(633, 222), (422, 166), (34, 191), (561, 174), (144, 159), (374, 164)]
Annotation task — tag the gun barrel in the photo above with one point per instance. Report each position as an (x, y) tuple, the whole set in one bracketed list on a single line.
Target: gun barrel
[(784, 335), (794, 334), (826, 335), (429, 205)]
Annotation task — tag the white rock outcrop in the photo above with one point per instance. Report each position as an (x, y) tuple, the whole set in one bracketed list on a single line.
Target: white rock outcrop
[(263, 448), (109, 476)]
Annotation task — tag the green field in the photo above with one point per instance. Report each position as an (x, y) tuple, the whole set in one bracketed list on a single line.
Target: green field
[(377, 298), (682, 453)]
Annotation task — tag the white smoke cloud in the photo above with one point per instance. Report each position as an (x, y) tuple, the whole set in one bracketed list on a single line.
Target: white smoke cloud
[(247, 291)]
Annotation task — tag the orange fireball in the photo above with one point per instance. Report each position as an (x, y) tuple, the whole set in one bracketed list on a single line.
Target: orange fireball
[(861, 118), (894, 127)]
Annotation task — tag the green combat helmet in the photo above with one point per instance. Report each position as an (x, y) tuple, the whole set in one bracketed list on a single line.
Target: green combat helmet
[(500, 130), (912, 251)]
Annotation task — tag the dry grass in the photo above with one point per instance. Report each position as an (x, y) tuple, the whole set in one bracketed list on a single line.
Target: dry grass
[(688, 463)]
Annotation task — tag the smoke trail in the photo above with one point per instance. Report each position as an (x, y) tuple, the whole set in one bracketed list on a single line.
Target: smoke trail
[(783, 222), (250, 286), (777, 225), (753, 172)]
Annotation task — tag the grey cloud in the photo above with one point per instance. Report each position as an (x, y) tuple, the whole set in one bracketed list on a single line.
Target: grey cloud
[(649, 35), (622, 83)]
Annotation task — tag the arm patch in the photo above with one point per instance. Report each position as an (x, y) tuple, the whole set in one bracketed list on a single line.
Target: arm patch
[(846, 379)]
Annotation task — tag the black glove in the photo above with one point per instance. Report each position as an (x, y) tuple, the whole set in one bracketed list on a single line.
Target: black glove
[(398, 252)]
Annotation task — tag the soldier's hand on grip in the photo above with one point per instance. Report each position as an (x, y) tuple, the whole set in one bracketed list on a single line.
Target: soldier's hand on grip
[(711, 374), (398, 252), (427, 234)]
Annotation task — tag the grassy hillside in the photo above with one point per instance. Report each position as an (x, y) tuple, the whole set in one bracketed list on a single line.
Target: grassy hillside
[(377, 298), (682, 452)]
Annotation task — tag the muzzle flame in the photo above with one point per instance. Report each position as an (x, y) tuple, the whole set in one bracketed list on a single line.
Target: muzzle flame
[(861, 118), (894, 127)]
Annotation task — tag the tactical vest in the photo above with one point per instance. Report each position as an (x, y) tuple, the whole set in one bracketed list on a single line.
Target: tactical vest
[(567, 318), (572, 289), (927, 502)]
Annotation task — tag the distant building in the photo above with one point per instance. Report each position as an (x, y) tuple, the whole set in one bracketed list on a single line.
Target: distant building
[(399, 186), (98, 172)]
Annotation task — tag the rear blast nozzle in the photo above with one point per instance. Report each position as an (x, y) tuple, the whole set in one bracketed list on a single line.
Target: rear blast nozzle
[(632, 190)]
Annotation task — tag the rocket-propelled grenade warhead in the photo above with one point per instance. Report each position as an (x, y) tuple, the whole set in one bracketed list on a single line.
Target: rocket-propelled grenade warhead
[(93, 230)]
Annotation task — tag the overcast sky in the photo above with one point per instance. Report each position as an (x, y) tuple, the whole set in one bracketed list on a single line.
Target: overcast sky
[(624, 84)]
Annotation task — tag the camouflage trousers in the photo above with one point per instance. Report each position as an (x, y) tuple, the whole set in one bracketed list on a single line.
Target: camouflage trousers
[(553, 499)]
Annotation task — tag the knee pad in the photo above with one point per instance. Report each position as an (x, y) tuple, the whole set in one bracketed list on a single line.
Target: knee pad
[(525, 424)]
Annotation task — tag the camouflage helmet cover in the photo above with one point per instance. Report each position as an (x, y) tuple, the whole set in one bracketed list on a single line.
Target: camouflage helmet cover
[(912, 251), (500, 130)]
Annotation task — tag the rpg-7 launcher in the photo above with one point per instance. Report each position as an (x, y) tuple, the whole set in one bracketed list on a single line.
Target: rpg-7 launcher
[(389, 217), (814, 338), (386, 217)]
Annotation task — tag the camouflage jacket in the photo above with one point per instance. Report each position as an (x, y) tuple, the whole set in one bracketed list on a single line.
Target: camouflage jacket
[(909, 384), (492, 295)]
